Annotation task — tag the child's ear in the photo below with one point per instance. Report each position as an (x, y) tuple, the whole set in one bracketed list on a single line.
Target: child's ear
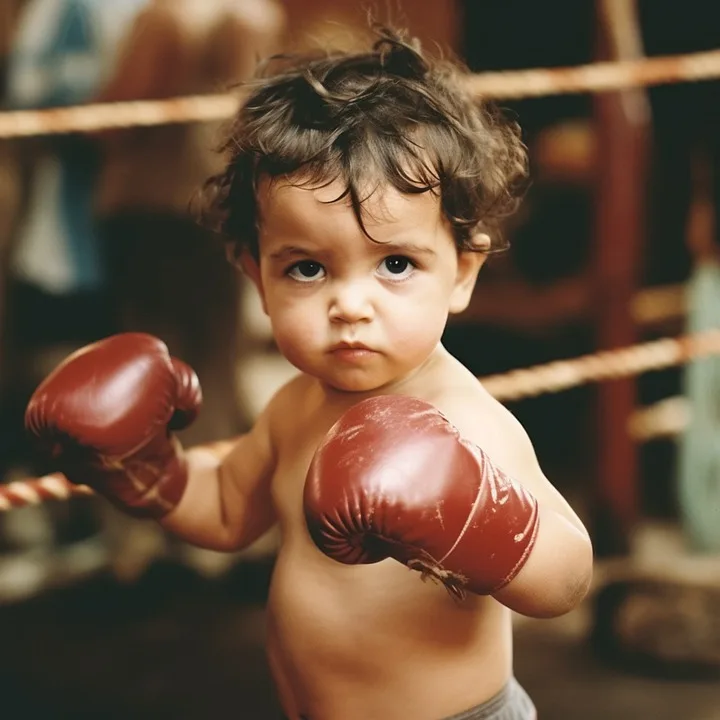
[(469, 264), (251, 267)]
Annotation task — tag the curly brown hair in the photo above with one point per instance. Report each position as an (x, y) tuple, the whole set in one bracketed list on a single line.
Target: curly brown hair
[(389, 115)]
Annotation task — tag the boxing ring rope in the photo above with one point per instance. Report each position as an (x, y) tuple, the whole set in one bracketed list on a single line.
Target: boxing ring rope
[(602, 366), (508, 84), (528, 382)]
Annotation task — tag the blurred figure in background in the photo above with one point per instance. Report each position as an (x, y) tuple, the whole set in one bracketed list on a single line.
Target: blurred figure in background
[(61, 53), (106, 241), (683, 246), (168, 276)]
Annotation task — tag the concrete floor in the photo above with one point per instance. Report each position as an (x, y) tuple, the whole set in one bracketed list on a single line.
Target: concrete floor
[(179, 646), (556, 666)]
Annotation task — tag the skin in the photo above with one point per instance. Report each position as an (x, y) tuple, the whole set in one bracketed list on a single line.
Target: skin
[(374, 641)]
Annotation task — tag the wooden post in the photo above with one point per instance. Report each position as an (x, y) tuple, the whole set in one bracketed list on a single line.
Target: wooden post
[(622, 120)]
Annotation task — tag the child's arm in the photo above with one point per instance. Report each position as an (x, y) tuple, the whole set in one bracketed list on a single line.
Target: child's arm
[(106, 417), (558, 571), (226, 504), (395, 478)]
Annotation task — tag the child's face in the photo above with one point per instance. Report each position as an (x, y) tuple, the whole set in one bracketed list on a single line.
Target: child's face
[(356, 313)]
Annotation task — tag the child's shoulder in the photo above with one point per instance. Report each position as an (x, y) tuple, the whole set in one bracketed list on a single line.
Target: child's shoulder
[(478, 416), (289, 402)]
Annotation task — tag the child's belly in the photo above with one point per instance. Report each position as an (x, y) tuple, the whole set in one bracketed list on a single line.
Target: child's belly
[(376, 641)]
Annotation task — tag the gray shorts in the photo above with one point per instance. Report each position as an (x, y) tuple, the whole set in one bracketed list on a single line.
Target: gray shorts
[(511, 703)]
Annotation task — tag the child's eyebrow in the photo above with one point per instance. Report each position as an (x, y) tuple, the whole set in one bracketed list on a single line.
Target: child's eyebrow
[(401, 247), (290, 251)]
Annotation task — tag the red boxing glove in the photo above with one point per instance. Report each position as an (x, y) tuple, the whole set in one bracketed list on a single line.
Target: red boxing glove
[(393, 478), (104, 415)]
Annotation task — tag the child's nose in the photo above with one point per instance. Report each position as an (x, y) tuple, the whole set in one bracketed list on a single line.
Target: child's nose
[(351, 303)]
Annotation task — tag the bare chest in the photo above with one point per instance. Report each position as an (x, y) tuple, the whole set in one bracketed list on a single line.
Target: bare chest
[(300, 440)]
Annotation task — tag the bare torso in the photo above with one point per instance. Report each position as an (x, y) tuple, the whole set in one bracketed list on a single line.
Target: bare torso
[(367, 641)]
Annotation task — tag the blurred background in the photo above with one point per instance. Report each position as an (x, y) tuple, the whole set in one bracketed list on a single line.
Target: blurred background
[(615, 243)]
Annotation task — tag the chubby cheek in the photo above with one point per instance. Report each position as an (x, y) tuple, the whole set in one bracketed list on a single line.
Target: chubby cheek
[(416, 329), (296, 329)]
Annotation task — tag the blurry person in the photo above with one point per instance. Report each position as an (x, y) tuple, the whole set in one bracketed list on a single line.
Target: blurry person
[(168, 275), (60, 54)]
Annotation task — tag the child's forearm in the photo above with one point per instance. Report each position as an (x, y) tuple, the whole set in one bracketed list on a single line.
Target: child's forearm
[(201, 517), (198, 517), (558, 571), (214, 512)]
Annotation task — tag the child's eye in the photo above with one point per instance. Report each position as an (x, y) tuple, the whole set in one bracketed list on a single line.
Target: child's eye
[(396, 267), (306, 271)]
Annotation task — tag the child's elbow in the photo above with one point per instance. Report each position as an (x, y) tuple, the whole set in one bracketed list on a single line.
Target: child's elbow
[(570, 597), (551, 586), (570, 587)]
